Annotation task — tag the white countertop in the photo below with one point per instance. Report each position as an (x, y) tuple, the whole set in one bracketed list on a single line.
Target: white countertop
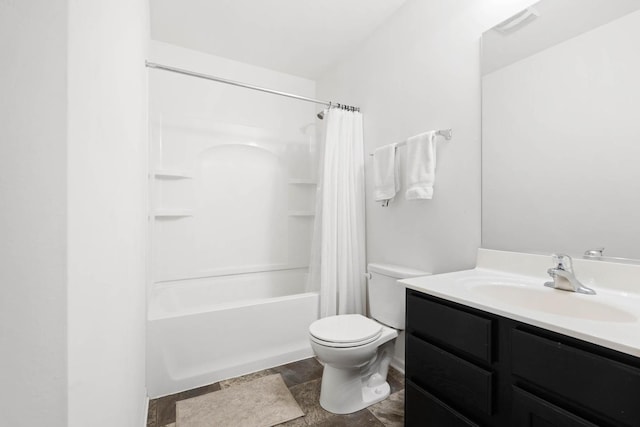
[(511, 285)]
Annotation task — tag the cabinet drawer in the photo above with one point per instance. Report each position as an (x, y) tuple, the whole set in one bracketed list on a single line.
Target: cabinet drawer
[(449, 326), (532, 411), (605, 386), (424, 409), (450, 377)]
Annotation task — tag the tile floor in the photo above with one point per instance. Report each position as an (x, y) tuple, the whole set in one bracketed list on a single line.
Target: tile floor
[(303, 379)]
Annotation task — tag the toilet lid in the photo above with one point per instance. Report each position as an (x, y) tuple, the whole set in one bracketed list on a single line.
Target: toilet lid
[(345, 328)]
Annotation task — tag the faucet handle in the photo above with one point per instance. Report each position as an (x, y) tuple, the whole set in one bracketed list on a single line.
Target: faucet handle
[(562, 262)]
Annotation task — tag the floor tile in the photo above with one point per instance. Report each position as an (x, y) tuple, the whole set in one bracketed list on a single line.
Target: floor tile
[(390, 411), (362, 418), (396, 373), (300, 372), (298, 422), (308, 397), (152, 415), (199, 391), (303, 378), (166, 409), (395, 379)]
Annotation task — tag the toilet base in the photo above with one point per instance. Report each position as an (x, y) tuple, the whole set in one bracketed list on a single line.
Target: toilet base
[(343, 391)]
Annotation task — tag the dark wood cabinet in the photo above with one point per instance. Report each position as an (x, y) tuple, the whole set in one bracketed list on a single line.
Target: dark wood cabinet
[(532, 411), (424, 409), (466, 367), (451, 328)]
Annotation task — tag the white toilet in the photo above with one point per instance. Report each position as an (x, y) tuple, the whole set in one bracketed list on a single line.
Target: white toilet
[(355, 350)]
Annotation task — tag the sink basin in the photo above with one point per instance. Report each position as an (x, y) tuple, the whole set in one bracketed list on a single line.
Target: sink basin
[(552, 301)]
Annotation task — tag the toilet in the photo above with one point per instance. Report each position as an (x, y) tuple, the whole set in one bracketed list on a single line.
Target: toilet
[(355, 350)]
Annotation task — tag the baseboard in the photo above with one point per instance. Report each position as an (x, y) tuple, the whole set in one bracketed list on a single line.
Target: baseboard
[(145, 415), (398, 364)]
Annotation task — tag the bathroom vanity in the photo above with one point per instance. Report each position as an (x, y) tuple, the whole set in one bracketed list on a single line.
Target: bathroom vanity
[(493, 347)]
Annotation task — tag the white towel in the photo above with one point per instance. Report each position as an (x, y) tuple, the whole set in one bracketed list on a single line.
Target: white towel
[(385, 173), (421, 166)]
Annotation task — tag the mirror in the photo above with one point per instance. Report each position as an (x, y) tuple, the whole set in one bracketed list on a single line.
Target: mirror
[(561, 129)]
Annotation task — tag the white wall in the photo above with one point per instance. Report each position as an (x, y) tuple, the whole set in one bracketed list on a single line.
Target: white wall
[(72, 183), (178, 96), (107, 154), (33, 361), (560, 146), (420, 71)]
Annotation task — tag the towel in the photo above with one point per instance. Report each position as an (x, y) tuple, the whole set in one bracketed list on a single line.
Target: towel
[(421, 166), (385, 173)]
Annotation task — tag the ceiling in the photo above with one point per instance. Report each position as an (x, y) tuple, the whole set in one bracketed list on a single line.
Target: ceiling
[(299, 37)]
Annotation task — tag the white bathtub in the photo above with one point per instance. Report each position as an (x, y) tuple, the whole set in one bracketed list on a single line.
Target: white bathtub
[(205, 330)]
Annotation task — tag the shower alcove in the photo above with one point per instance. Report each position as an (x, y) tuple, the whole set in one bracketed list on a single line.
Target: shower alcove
[(231, 221)]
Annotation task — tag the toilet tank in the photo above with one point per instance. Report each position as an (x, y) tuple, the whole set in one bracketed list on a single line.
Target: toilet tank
[(386, 296)]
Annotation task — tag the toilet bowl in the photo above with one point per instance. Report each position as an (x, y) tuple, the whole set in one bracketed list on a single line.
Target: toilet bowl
[(355, 369), (356, 351)]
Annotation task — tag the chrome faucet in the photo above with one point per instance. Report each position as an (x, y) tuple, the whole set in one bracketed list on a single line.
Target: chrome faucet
[(563, 276)]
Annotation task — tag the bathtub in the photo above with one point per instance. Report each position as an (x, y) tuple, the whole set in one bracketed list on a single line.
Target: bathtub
[(205, 330)]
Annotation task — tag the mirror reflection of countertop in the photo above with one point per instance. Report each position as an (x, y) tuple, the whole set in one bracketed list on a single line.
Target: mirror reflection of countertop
[(511, 285)]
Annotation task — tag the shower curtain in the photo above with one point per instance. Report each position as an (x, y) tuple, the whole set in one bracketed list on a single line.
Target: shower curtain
[(338, 264)]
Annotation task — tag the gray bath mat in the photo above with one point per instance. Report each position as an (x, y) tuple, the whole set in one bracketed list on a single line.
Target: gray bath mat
[(263, 402)]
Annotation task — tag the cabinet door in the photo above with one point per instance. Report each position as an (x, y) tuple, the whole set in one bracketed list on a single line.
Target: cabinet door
[(449, 377), (423, 409), (532, 411), (452, 328), (604, 386)]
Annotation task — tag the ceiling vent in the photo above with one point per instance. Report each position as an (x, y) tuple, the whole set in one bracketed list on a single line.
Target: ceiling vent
[(517, 21)]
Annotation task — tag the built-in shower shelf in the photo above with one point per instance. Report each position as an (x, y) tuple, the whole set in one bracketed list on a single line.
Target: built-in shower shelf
[(302, 181), (172, 174), (172, 213), (302, 213)]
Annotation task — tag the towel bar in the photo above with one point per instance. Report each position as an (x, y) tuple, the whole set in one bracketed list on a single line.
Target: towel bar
[(446, 133)]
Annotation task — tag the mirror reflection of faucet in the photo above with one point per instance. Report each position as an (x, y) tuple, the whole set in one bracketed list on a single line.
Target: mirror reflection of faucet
[(564, 277), (596, 253)]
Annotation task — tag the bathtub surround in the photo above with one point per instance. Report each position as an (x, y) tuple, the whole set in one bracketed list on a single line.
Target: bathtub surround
[(303, 381), (338, 260), (72, 160), (232, 203)]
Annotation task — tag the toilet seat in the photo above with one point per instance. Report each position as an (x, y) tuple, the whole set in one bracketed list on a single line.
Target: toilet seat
[(345, 330)]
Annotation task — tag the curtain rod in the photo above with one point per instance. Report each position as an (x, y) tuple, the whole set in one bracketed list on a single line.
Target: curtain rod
[(245, 85)]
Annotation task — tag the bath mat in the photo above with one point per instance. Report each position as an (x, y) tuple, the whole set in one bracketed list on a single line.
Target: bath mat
[(263, 402)]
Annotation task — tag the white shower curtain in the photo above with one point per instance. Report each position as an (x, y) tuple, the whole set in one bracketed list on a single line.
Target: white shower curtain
[(338, 264)]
